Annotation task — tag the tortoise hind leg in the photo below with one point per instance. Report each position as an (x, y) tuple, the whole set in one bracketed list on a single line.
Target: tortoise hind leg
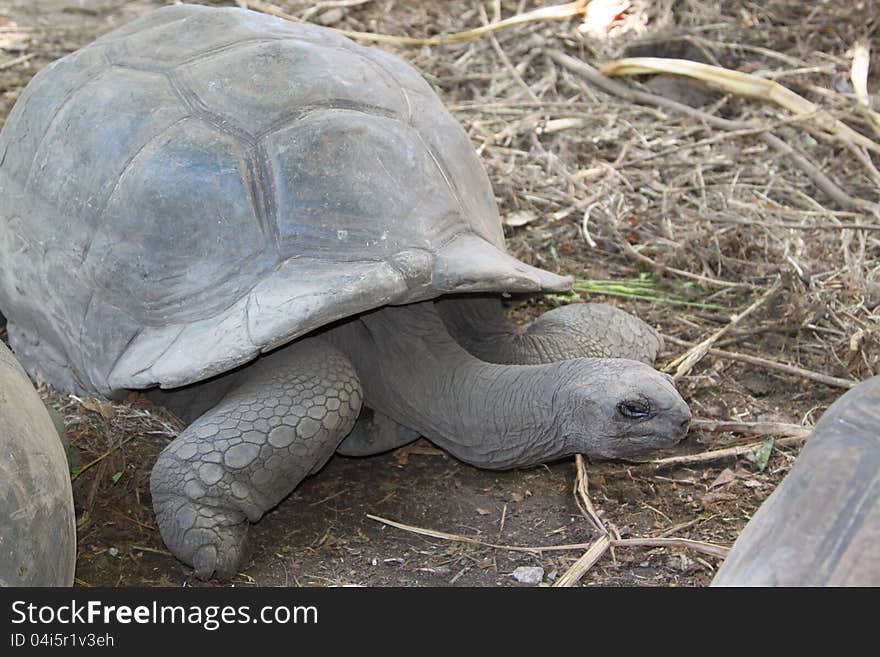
[(375, 433), (281, 422), (583, 330)]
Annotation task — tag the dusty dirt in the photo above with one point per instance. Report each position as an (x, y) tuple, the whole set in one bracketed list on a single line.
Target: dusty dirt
[(724, 208)]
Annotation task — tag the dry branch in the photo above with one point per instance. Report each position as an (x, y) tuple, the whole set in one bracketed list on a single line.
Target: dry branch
[(717, 454), (742, 84), (773, 365), (822, 181), (685, 363), (318, 7), (458, 538), (859, 77), (580, 567), (641, 257), (88, 465), (582, 496), (16, 61), (594, 552), (553, 13), (698, 546), (753, 428)]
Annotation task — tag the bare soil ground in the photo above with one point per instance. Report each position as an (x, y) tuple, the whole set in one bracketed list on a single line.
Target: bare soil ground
[(592, 184)]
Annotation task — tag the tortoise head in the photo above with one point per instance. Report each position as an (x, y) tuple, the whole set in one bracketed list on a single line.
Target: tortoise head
[(620, 408)]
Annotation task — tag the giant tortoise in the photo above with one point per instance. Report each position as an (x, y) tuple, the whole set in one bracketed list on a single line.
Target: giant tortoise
[(256, 216), (821, 526), (37, 527)]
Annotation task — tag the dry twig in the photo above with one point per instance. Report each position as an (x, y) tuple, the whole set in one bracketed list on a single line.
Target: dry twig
[(458, 538), (773, 365), (685, 363), (699, 546), (859, 75), (552, 13), (816, 175), (594, 552), (742, 84), (17, 61), (718, 454), (582, 495), (753, 428), (641, 257), (587, 560), (88, 465)]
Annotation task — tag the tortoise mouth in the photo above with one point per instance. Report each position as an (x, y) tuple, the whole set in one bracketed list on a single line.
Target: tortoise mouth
[(653, 442), (641, 445)]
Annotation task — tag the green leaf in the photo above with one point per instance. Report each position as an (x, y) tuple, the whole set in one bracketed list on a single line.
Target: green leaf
[(116, 477), (74, 472), (762, 454)]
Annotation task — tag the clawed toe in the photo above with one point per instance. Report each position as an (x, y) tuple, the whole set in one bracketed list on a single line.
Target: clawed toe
[(212, 540)]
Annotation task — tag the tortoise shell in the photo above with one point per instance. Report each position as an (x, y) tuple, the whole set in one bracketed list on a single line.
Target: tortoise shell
[(204, 184)]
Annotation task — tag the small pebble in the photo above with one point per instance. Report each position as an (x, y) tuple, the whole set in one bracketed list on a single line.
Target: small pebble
[(331, 17), (528, 574), (113, 552)]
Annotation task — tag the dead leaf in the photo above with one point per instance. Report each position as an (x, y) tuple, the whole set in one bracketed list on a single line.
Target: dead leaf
[(105, 409), (401, 455), (520, 218), (483, 512), (600, 15), (727, 475), (718, 496), (420, 446)]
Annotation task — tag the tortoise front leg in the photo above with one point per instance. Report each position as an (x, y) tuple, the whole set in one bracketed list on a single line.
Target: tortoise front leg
[(280, 423)]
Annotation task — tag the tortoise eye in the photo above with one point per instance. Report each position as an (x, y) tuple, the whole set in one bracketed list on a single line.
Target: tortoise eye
[(634, 409)]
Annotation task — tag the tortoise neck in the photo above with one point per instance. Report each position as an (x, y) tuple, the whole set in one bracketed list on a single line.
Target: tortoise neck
[(492, 416), (482, 328)]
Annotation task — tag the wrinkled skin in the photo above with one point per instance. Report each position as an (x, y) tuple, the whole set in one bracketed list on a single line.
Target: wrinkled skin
[(578, 330), (478, 323), (265, 427)]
